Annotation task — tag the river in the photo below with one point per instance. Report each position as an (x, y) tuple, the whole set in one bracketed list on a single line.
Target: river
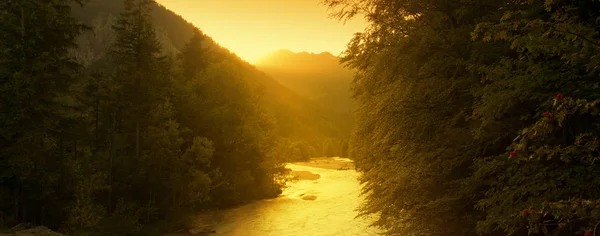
[(315, 205)]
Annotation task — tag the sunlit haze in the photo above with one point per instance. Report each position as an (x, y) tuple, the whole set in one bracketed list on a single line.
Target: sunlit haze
[(254, 28)]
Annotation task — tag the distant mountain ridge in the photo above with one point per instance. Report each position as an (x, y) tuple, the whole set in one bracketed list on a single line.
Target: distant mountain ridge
[(318, 76), (285, 57)]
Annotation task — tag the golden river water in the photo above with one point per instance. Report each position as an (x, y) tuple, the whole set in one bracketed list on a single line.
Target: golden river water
[(307, 207)]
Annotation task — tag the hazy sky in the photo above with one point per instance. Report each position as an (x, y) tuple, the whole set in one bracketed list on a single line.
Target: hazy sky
[(253, 28)]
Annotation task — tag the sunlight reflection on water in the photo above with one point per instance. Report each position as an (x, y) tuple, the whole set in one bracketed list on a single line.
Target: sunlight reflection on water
[(331, 213)]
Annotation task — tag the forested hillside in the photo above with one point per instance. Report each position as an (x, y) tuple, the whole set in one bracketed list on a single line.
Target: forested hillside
[(320, 78), (304, 128), (477, 117), (120, 118)]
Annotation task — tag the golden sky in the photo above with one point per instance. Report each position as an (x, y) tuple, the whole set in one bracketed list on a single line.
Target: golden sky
[(253, 28)]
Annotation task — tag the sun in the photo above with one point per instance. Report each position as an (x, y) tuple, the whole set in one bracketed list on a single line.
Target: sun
[(251, 55)]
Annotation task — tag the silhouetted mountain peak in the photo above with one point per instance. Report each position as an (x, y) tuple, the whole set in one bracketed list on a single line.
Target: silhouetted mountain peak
[(285, 58), (319, 76)]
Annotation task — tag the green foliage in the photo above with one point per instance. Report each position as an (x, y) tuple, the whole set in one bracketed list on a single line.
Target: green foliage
[(85, 214), (413, 139), (37, 115), (447, 90), (142, 140), (551, 172), (231, 119), (556, 47)]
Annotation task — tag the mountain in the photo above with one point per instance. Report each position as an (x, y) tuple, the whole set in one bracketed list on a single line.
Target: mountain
[(320, 77), (299, 120)]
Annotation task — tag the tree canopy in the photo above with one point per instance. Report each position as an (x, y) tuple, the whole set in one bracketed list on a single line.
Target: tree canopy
[(114, 133), (447, 90)]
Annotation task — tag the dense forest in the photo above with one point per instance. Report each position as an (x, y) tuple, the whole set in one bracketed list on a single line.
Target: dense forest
[(477, 117), (121, 118), (118, 117)]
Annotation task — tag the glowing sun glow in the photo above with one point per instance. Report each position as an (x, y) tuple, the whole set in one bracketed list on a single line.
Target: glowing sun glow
[(253, 28)]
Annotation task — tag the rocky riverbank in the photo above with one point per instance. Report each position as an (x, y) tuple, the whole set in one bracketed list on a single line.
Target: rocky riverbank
[(323, 163), (332, 163)]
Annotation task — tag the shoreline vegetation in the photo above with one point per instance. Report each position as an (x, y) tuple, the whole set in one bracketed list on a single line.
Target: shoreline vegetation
[(204, 222), (333, 163)]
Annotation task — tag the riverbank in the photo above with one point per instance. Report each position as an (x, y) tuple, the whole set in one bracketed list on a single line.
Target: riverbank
[(329, 163), (332, 163), (327, 190), (308, 206)]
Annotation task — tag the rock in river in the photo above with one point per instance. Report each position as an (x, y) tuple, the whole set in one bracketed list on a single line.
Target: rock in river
[(310, 197)]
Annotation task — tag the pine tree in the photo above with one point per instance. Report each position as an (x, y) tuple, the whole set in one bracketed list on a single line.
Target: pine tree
[(145, 140), (141, 67), (36, 75)]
